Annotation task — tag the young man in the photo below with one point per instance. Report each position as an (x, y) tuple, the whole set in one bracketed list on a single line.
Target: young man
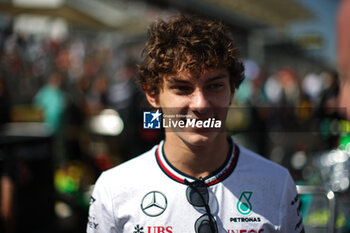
[(197, 179)]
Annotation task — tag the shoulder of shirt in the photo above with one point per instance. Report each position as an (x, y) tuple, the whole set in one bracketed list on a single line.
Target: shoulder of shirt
[(128, 167), (260, 163)]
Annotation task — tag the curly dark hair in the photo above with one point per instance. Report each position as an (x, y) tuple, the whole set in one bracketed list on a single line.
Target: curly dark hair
[(187, 43)]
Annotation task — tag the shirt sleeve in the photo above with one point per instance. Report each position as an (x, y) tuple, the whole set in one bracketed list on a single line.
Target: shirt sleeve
[(101, 217), (291, 219)]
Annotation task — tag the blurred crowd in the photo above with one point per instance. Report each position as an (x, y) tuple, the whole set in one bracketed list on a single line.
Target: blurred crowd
[(51, 95), (67, 80), (288, 101)]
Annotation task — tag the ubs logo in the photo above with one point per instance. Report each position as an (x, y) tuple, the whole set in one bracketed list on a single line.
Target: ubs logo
[(154, 203)]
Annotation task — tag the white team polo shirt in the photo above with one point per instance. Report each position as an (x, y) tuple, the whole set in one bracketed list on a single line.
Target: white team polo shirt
[(248, 194)]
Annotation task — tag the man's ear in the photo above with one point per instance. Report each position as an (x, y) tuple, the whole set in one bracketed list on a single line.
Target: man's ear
[(153, 99)]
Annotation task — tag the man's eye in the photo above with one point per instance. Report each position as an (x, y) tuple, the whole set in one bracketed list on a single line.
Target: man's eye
[(181, 88), (215, 86)]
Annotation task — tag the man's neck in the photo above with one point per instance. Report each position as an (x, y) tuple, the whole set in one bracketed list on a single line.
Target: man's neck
[(196, 161)]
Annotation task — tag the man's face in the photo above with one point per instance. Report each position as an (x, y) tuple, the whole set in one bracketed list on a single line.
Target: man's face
[(200, 98)]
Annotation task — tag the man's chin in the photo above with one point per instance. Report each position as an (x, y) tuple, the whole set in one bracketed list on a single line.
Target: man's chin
[(199, 138)]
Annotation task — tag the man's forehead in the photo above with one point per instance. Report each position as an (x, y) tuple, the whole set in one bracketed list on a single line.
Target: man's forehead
[(190, 75)]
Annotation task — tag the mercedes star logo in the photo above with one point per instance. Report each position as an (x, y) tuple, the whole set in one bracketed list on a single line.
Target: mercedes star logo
[(154, 203)]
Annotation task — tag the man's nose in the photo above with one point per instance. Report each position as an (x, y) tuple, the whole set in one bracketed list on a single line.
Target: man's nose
[(199, 101)]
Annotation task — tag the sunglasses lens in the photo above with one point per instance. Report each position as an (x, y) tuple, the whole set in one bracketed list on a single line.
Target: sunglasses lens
[(197, 196), (202, 225), (204, 228)]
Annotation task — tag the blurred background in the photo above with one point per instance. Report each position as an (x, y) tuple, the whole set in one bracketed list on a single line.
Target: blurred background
[(70, 109)]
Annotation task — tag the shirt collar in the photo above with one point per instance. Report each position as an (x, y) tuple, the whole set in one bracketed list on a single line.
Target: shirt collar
[(217, 176)]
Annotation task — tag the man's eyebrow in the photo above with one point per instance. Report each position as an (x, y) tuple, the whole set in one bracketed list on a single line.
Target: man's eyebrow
[(216, 77), (176, 80)]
